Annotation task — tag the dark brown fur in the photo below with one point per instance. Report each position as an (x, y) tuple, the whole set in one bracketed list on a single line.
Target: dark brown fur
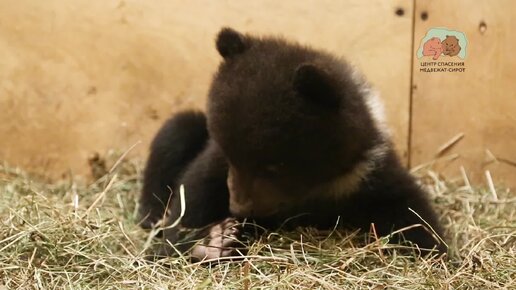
[(285, 124)]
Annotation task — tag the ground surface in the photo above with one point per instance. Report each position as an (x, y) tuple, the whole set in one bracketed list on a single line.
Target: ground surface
[(71, 236)]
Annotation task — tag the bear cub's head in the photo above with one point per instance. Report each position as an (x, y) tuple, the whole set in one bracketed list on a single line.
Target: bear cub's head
[(291, 121)]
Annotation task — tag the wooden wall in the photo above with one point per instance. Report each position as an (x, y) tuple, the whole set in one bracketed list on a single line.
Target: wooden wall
[(479, 104), (85, 76)]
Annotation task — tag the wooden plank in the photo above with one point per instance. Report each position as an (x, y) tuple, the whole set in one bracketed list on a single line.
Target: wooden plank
[(479, 103), (85, 76)]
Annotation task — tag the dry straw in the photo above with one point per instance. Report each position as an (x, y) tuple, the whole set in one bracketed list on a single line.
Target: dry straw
[(71, 235)]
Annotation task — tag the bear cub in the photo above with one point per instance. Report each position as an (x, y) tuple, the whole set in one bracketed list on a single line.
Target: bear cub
[(292, 137)]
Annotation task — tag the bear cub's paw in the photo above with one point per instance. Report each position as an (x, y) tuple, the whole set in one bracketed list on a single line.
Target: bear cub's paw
[(148, 216), (223, 241)]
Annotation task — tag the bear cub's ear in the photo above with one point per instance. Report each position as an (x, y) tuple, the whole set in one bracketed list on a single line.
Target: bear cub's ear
[(316, 84), (230, 42)]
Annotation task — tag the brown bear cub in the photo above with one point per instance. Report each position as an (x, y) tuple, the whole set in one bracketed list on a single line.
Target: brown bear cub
[(451, 46), (292, 137)]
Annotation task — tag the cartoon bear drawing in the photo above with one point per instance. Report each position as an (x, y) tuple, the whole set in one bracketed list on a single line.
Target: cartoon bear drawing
[(433, 47), (451, 46), (292, 136)]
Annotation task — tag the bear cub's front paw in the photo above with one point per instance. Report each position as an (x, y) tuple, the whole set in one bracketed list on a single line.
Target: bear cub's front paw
[(222, 241)]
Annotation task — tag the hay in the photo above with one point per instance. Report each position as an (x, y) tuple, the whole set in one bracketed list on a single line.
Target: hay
[(74, 236)]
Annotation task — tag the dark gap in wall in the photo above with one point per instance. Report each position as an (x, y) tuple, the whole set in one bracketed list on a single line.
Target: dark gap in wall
[(411, 86)]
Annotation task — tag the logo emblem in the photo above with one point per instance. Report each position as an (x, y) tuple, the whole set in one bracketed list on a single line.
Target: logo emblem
[(442, 50)]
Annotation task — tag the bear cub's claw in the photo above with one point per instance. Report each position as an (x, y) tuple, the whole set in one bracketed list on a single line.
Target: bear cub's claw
[(222, 241)]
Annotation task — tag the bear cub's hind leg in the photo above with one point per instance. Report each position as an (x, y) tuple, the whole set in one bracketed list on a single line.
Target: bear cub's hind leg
[(203, 228), (176, 144)]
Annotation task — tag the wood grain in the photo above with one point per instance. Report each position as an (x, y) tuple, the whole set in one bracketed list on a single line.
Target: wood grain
[(85, 76), (479, 103)]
